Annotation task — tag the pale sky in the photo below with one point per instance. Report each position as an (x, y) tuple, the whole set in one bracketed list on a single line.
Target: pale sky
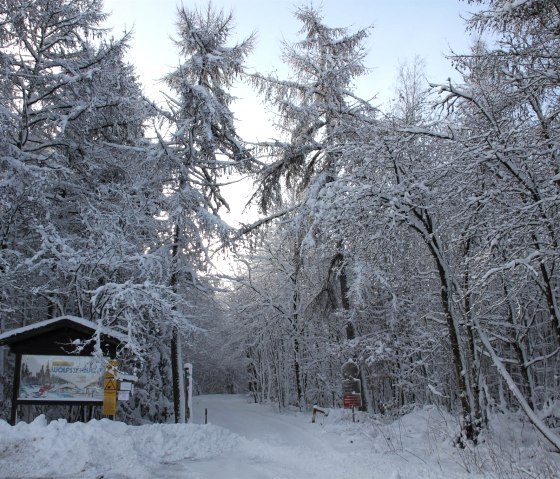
[(402, 29)]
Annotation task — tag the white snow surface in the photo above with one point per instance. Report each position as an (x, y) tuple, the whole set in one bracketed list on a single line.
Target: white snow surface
[(241, 440), (84, 322)]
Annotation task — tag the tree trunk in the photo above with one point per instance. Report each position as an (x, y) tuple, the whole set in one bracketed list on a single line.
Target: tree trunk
[(294, 319), (176, 353), (297, 373), (470, 425), (474, 369), (179, 402)]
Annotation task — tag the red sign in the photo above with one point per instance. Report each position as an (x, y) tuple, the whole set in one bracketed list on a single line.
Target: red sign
[(351, 400)]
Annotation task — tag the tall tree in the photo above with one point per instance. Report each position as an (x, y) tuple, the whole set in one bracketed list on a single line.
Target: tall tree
[(200, 147), (312, 105), (73, 110)]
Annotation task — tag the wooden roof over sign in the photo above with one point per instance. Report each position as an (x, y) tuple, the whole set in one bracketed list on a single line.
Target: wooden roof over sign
[(57, 335)]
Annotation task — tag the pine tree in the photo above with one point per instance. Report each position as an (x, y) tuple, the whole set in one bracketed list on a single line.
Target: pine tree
[(199, 149)]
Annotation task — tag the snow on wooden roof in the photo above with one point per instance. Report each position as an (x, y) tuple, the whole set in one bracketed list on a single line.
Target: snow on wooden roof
[(73, 322)]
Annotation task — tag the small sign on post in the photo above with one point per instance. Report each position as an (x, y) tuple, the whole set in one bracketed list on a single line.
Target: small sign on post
[(351, 386), (351, 400), (126, 386)]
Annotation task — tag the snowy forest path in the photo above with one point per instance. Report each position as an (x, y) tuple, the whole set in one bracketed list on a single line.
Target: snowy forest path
[(255, 441), (258, 422), (269, 445)]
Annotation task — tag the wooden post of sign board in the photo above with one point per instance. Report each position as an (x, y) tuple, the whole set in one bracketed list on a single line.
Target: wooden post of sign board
[(15, 391), (188, 383)]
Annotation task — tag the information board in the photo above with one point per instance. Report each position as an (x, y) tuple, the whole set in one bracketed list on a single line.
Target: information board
[(61, 378)]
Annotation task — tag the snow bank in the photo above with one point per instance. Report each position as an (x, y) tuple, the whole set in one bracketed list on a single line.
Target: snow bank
[(104, 447), (420, 445)]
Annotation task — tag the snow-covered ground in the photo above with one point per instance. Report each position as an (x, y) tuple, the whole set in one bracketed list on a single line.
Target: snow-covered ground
[(250, 441)]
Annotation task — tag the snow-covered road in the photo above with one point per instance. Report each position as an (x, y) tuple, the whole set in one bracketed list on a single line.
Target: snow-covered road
[(276, 446), (242, 441), (273, 445)]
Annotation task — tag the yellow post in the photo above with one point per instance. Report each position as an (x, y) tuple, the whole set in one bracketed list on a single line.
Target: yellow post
[(110, 388)]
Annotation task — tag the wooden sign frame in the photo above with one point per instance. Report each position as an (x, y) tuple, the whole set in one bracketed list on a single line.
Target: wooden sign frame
[(57, 337)]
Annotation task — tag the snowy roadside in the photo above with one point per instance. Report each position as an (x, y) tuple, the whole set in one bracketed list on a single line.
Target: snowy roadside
[(104, 448), (251, 441)]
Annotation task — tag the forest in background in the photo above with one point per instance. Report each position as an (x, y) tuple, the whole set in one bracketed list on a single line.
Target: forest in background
[(420, 241)]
